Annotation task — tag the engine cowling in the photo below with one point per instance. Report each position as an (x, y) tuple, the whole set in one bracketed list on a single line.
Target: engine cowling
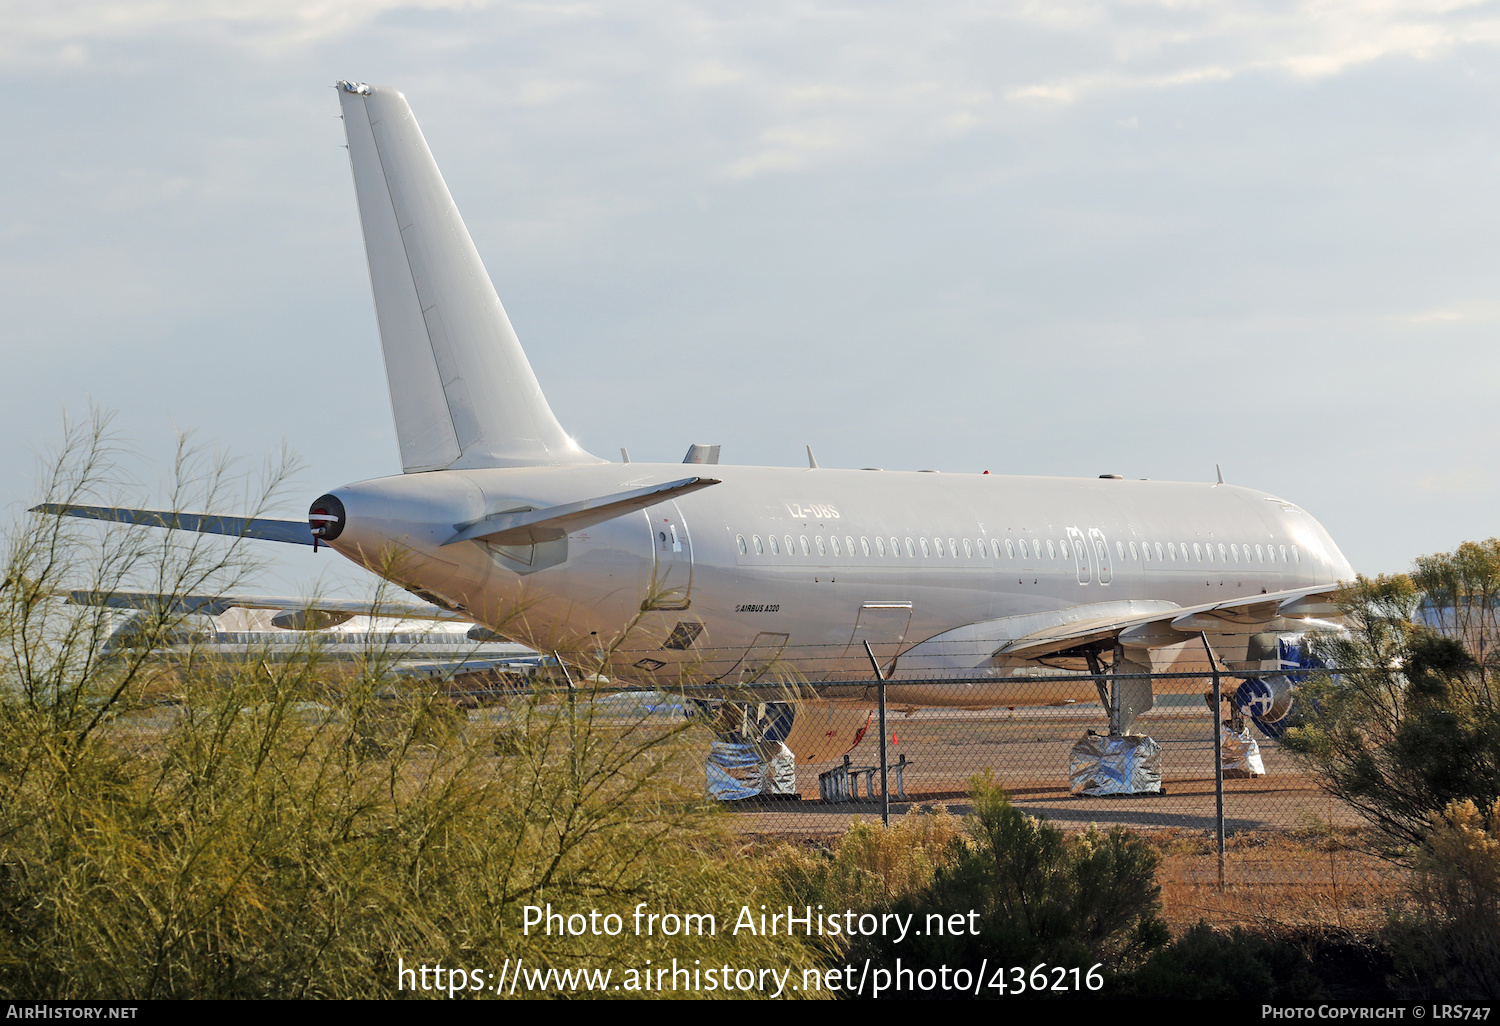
[(1268, 701)]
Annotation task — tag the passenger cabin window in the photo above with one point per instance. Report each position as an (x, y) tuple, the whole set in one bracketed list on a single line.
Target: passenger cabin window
[(774, 550), (806, 549), (821, 550), (849, 545), (740, 540), (1172, 552), (1197, 552), (925, 551), (969, 551), (1010, 552), (879, 545), (1120, 548), (937, 543), (911, 550), (834, 541), (1064, 547), (1133, 553), (864, 544), (1051, 551)]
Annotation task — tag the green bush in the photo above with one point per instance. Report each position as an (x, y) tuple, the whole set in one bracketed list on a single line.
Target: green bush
[(1037, 896)]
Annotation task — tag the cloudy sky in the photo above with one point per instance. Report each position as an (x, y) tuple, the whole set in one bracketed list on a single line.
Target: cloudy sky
[(1063, 238)]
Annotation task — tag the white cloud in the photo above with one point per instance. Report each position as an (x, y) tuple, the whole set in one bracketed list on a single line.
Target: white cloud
[(1162, 45), (1465, 481), (1476, 312), (43, 31), (809, 83)]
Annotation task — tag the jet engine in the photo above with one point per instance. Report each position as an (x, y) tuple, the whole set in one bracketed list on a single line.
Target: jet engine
[(1268, 700)]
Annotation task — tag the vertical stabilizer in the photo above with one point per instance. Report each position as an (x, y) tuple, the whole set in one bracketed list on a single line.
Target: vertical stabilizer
[(462, 391)]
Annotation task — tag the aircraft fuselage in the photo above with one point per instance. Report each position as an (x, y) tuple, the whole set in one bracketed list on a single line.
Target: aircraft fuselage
[(803, 566)]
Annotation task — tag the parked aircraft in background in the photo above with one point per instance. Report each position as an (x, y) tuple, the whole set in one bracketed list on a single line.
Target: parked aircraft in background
[(724, 572), (405, 639)]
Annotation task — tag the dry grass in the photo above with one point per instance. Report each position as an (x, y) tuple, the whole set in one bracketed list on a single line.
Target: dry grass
[(1276, 882)]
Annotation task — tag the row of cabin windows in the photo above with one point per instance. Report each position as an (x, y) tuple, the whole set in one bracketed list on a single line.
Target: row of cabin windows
[(1204, 553), (1170, 552)]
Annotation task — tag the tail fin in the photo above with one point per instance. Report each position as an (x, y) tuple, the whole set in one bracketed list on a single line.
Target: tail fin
[(462, 391)]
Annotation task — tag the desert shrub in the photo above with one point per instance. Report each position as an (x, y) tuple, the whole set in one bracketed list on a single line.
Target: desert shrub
[(869, 865), (278, 829), (1037, 894), (1447, 942)]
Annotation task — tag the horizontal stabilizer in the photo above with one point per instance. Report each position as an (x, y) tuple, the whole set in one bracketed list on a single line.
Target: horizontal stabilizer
[(217, 605), (295, 532), (532, 527)]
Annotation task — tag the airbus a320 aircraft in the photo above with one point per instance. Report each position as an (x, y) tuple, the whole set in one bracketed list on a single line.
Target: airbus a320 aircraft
[(983, 578)]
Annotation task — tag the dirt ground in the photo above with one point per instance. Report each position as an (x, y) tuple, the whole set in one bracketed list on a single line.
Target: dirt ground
[(1027, 751)]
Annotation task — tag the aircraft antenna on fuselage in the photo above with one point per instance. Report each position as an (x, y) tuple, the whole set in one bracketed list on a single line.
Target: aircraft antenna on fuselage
[(462, 391)]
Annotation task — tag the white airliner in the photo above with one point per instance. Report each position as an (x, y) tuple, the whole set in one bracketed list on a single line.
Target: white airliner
[(983, 579), (471, 663)]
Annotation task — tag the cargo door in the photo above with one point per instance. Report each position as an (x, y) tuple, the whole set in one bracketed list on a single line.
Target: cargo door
[(884, 626)]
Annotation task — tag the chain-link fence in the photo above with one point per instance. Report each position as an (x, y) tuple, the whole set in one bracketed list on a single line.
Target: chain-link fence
[(804, 761)]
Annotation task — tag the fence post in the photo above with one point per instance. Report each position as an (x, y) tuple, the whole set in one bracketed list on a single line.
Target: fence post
[(885, 790), (1213, 664), (572, 719)]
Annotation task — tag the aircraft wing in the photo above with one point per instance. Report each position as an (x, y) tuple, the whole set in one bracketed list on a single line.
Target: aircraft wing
[(296, 613), (1164, 627), (295, 532), (530, 527)]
